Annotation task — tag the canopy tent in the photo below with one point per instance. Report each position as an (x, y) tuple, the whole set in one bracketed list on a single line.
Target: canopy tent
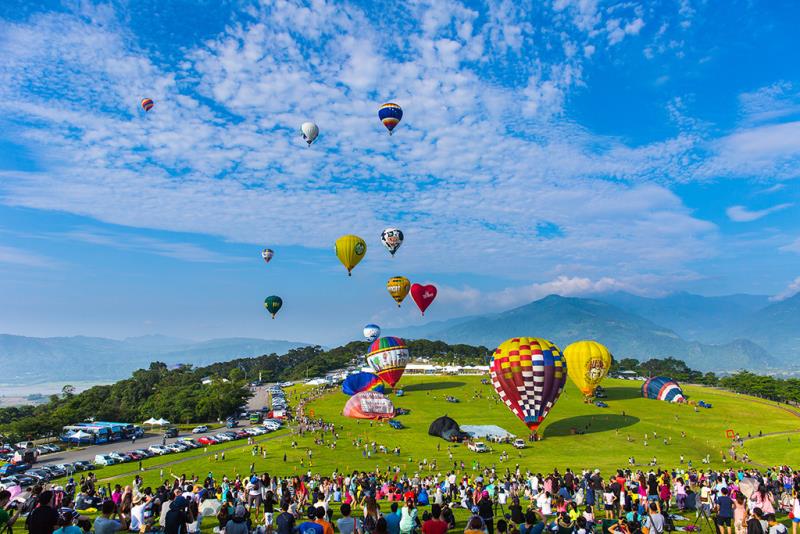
[(151, 421), (162, 422), (79, 436), (446, 428)]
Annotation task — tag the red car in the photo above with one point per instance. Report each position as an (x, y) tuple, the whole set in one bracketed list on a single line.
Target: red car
[(207, 440), (242, 434), (134, 456)]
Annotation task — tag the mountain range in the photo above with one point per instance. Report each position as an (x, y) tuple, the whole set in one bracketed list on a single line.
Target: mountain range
[(709, 333), (27, 360)]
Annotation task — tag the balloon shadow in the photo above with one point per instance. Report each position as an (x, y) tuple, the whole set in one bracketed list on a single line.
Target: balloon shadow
[(589, 424), (621, 393), (430, 386)]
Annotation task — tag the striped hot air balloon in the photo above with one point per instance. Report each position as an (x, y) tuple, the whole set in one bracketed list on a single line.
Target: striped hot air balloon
[(662, 388), (358, 382), (390, 115), (529, 374), (147, 104), (388, 357), (369, 405)]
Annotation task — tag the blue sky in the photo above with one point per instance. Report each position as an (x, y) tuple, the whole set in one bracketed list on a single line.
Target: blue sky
[(568, 146)]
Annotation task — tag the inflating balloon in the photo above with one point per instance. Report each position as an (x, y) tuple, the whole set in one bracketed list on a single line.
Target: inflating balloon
[(147, 104), (392, 238), (423, 295), (588, 363), (309, 131), (369, 405), (350, 250), (388, 357), (662, 388), (372, 332), (358, 382), (390, 115), (529, 374), (267, 254), (398, 287), (273, 303)]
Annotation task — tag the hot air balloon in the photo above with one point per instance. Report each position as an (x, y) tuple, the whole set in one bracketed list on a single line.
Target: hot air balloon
[(309, 131), (372, 332), (147, 104), (423, 296), (588, 362), (390, 115), (350, 250), (369, 405), (662, 388), (392, 238), (398, 287), (388, 356), (529, 374), (358, 382), (273, 303), (267, 254)]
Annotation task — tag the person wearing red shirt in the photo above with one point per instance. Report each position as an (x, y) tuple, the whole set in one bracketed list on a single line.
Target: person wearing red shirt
[(435, 525)]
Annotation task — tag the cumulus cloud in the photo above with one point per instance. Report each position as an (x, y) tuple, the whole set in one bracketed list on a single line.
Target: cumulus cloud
[(791, 290), (743, 214)]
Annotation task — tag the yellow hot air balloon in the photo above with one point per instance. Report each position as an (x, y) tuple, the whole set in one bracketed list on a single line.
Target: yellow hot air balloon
[(588, 362), (350, 249), (398, 288)]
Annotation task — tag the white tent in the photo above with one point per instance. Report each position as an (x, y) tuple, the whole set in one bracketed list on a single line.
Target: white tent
[(79, 435), (151, 421), (162, 422)]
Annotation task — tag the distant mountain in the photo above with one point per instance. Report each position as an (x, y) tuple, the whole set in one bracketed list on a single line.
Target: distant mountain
[(628, 335), (695, 317), (33, 360), (776, 327)]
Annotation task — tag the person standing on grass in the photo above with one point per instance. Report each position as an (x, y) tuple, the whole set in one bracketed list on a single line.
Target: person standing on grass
[(724, 508), (654, 522), (284, 523), (393, 519), (609, 498), (348, 524), (435, 525), (408, 518), (795, 508)]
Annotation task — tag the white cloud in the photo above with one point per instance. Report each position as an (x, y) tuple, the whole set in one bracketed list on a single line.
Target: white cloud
[(791, 290), (16, 256), (794, 246), (743, 214)]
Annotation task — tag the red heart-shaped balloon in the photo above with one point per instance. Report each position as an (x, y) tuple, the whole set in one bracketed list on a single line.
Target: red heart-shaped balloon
[(423, 295)]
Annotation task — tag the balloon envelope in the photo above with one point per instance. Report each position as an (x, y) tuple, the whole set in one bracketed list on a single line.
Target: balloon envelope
[(369, 405), (267, 254), (423, 296), (350, 250), (358, 382), (529, 374), (392, 238), (309, 131), (390, 115), (398, 287), (147, 104), (388, 357), (588, 363), (372, 332), (273, 303), (662, 388)]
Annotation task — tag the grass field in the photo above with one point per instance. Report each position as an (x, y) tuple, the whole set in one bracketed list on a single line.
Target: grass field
[(609, 439)]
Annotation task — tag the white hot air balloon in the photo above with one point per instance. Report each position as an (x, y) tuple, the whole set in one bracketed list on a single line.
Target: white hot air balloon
[(309, 131), (392, 238), (372, 332)]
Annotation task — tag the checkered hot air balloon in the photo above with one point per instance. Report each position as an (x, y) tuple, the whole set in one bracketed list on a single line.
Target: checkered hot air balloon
[(388, 356), (529, 374)]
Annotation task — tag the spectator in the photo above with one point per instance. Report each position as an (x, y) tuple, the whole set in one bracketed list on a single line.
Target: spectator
[(7, 519), (44, 518), (347, 524), (105, 524), (435, 525)]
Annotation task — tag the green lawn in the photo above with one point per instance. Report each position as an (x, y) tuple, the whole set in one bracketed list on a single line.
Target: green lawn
[(604, 445)]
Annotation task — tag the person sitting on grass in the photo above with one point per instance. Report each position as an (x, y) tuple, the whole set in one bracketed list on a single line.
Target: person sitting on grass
[(327, 528), (347, 524), (393, 519), (105, 524), (435, 525)]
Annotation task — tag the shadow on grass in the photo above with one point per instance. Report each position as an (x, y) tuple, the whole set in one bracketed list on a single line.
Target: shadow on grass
[(589, 424), (430, 386), (620, 393)]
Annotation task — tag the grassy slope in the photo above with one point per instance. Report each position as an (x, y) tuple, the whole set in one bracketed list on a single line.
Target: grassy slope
[(604, 445)]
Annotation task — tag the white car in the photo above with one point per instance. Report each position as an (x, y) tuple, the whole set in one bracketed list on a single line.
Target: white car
[(202, 429), (519, 443), (223, 437), (478, 447), (118, 457), (104, 459), (158, 449), (271, 425)]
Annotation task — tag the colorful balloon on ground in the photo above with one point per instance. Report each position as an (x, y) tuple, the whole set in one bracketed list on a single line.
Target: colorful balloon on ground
[(662, 388), (398, 287), (390, 115), (423, 295), (309, 131), (267, 254), (147, 104), (358, 382), (372, 332), (529, 374), (392, 238), (273, 303), (388, 357), (588, 363), (369, 405), (350, 250)]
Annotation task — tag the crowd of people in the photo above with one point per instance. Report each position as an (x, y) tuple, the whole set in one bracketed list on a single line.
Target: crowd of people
[(390, 502)]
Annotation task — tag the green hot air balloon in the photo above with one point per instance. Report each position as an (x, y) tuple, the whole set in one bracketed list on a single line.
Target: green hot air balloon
[(273, 303)]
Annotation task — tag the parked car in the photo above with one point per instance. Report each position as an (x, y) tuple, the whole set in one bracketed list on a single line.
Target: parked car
[(158, 449), (104, 459), (50, 447), (601, 404), (55, 471), (133, 456), (83, 465), (202, 429), (518, 443), (119, 457), (10, 469), (207, 440), (394, 423), (171, 432), (478, 446), (242, 434), (144, 453), (189, 442)]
